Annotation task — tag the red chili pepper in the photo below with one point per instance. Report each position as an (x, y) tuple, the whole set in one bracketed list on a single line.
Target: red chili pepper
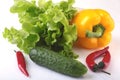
[(90, 60), (21, 62)]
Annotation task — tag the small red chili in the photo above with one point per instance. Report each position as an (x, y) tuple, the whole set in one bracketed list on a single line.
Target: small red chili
[(90, 60), (21, 62)]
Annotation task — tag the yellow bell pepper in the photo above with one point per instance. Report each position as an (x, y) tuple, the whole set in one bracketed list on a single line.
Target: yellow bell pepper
[(94, 28)]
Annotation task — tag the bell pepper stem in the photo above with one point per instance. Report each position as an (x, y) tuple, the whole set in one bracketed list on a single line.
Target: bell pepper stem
[(97, 31)]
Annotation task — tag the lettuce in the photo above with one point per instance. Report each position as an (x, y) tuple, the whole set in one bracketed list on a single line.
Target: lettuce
[(45, 24)]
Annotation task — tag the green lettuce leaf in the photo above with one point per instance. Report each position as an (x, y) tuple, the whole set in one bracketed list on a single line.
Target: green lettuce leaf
[(24, 40), (45, 24)]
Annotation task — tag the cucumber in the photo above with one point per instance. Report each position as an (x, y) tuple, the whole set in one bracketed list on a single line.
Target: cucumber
[(54, 61)]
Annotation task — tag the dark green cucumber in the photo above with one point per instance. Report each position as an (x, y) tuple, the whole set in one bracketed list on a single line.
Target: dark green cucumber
[(52, 60)]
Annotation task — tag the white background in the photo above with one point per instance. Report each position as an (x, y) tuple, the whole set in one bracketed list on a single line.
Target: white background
[(8, 63)]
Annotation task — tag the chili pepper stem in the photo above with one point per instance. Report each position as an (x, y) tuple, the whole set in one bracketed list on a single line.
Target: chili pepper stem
[(105, 72), (15, 51)]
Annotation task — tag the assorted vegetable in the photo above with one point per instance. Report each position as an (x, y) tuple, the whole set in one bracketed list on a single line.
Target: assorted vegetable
[(49, 31), (93, 28), (21, 63), (90, 60), (54, 61)]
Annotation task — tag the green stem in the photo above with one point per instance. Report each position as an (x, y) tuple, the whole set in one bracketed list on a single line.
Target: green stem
[(97, 31), (97, 68)]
